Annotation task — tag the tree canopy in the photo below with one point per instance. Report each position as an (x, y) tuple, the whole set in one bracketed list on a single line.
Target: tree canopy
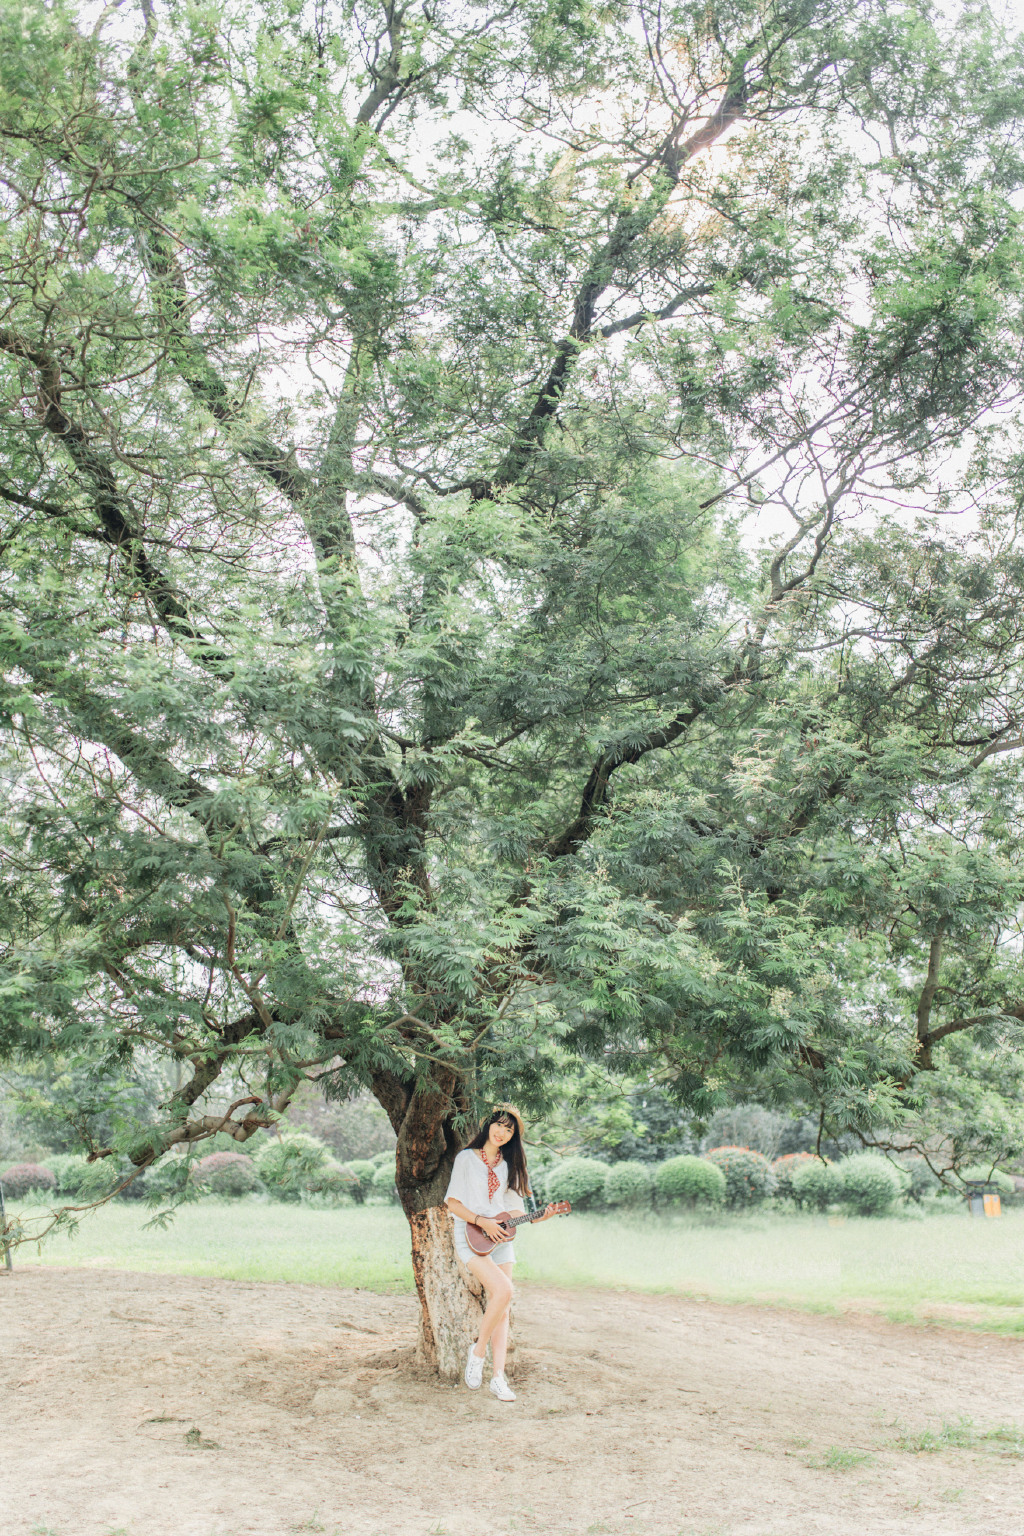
[(511, 559)]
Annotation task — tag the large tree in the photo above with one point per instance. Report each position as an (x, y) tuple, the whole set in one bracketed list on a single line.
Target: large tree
[(510, 558)]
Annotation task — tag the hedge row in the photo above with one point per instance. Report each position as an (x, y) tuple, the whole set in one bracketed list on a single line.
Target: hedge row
[(865, 1183), (299, 1167), (295, 1167)]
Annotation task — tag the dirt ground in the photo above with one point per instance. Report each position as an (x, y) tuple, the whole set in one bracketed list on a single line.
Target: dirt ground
[(157, 1405)]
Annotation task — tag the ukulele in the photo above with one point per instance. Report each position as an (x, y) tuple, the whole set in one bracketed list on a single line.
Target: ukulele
[(480, 1243)]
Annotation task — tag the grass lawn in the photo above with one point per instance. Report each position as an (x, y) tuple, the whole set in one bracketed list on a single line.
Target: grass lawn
[(943, 1266)]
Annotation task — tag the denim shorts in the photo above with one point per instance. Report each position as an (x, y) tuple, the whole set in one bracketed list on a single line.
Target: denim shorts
[(503, 1254)]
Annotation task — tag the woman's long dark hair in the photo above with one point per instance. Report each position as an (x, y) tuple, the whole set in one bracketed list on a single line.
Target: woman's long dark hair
[(512, 1151)]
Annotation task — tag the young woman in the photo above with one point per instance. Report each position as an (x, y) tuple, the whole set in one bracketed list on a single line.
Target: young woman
[(489, 1177)]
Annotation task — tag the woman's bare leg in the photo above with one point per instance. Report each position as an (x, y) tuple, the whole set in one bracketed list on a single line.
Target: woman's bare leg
[(499, 1337), (496, 1282)]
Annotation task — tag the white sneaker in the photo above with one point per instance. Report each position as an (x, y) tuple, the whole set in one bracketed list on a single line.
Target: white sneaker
[(501, 1389), (474, 1368)]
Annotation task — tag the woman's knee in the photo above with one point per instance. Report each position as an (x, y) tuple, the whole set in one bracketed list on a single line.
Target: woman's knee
[(504, 1291)]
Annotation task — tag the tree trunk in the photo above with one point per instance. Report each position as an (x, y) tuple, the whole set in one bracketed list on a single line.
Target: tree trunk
[(451, 1300)]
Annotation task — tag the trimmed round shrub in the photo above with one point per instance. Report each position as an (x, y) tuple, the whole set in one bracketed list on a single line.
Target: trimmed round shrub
[(919, 1181), (23, 1179), (106, 1174), (748, 1175), (628, 1184), (815, 1185), (227, 1173), (383, 1182), (580, 1180), (289, 1164), (69, 1171), (868, 1184), (168, 1178), (382, 1159), (784, 1167), (361, 1173), (333, 1185), (690, 1181)]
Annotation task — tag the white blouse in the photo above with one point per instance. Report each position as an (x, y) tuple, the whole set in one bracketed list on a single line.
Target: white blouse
[(468, 1183)]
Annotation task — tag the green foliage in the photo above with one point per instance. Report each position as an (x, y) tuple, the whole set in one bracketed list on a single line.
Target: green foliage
[(748, 1174), (747, 1125), (69, 1171), (690, 1180), (383, 1182), (581, 1180), (921, 1182), (291, 1165), (997, 1177), (361, 1173), (783, 1169), (463, 621), (629, 1184), (816, 1185), (227, 1173), (868, 1184), (23, 1179)]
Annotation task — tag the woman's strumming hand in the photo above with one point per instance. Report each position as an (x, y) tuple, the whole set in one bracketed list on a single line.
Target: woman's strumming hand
[(495, 1231)]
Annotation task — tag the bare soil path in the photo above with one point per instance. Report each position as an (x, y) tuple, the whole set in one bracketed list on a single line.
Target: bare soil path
[(160, 1405)]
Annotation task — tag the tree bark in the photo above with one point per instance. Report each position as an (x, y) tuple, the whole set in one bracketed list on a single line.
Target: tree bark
[(451, 1299)]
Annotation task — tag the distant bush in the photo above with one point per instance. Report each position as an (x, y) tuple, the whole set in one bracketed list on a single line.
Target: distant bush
[(628, 1184), (361, 1173), (383, 1182), (108, 1174), (748, 1175), (289, 1165), (23, 1179), (868, 1184), (69, 1171), (383, 1159), (919, 1180), (227, 1173), (784, 1167), (332, 1185), (690, 1181), (815, 1185), (580, 1180), (747, 1125)]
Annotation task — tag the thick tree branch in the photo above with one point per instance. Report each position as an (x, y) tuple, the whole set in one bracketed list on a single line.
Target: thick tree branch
[(632, 221), (112, 506), (595, 791), (925, 1037)]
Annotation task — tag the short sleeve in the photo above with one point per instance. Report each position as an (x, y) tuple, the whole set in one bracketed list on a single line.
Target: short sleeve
[(514, 1203), (460, 1185)]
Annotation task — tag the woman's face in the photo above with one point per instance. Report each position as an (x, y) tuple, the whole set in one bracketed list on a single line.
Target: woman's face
[(500, 1133)]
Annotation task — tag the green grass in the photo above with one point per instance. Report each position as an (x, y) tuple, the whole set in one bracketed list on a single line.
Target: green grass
[(242, 1240), (899, 1265), (944, 1266), (963, 1435), (836, 1459)]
